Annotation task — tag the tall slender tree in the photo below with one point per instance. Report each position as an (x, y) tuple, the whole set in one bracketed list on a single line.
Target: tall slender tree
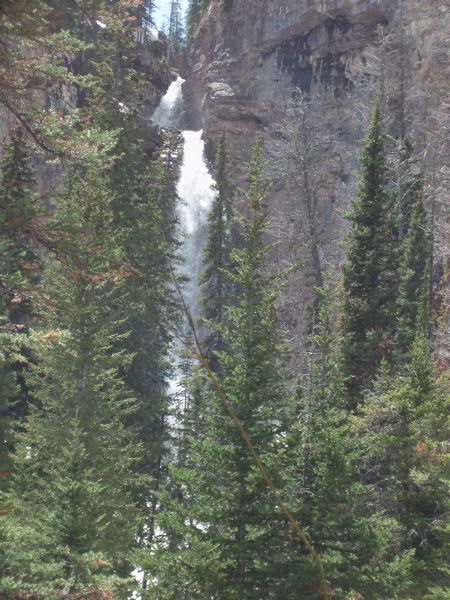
[(146, 13), (225, 512), (142, 199), (18, 211), (176, 30), (94, 433), (414, 253), (193, 17), (412, 305), (216, 289), (74, 518), (19, 266), (370, 270), (404, 423), (331, 498), (143, 218)]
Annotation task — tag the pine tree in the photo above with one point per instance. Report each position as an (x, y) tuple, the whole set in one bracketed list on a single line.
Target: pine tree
[(224, 514), (175, 32), (18, 210), (254, 385), (105, 311), (146, 13), (217, 254), (325, 468), (142, 200), (72, 521), (193, 17), (414, 256), (74, 518), (18, 269), (34, 52), (143, 216), (405, 423), (369, 272)]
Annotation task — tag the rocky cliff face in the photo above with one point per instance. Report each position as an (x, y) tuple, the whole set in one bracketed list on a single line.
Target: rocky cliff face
[(244, 64)]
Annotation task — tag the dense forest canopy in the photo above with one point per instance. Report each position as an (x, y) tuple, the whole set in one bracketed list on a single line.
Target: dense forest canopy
[(261, 476)]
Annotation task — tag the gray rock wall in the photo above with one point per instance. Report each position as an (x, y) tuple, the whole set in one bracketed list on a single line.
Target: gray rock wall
[(244, 64)]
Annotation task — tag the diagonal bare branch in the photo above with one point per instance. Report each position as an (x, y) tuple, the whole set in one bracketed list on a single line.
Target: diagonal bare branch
[(326, 593)]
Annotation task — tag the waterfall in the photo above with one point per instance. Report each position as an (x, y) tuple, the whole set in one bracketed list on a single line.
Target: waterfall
[(196, 194), (168, 112)]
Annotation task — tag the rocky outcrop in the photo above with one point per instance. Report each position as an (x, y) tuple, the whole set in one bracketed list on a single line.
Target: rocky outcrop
[(152, 63), (245, 62)]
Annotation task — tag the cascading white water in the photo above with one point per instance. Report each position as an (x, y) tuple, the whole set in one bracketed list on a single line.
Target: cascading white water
[(196, 194), (169, 110), (195, 191)]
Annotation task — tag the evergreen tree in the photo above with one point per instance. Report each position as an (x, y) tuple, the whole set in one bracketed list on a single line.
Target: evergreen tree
[(253, 384), (224, 514), (175, 32), (105, 311), (413, 279), (146, 13), (194, 14), (216, 289), (74, 519), (18, 269), (369, 272), (18, 211), (353, 541), (414, 256), (410, 186), (35, 50), (142, 201), (405, 423), (324, 471), (143, 216)]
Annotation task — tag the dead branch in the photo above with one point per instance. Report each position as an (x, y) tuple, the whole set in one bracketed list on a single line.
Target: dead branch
[(325, 591)]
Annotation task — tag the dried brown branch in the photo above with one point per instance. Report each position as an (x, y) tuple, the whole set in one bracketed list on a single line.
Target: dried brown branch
[(324, 590)]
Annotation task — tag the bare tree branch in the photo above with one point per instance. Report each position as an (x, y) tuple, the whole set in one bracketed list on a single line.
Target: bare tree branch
[(325, 591)]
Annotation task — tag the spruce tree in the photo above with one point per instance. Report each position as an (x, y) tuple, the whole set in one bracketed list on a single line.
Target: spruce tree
[(18, 210), (325, 468), (410, 186), (414, 256), (74, 518), (176, 31), (105, 311), (216, 288), (369, 272), (146, 13), (18, 271), (142, 200), (143, 209), (253, 383), (224, 515), (404, 424), (193, 17)]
